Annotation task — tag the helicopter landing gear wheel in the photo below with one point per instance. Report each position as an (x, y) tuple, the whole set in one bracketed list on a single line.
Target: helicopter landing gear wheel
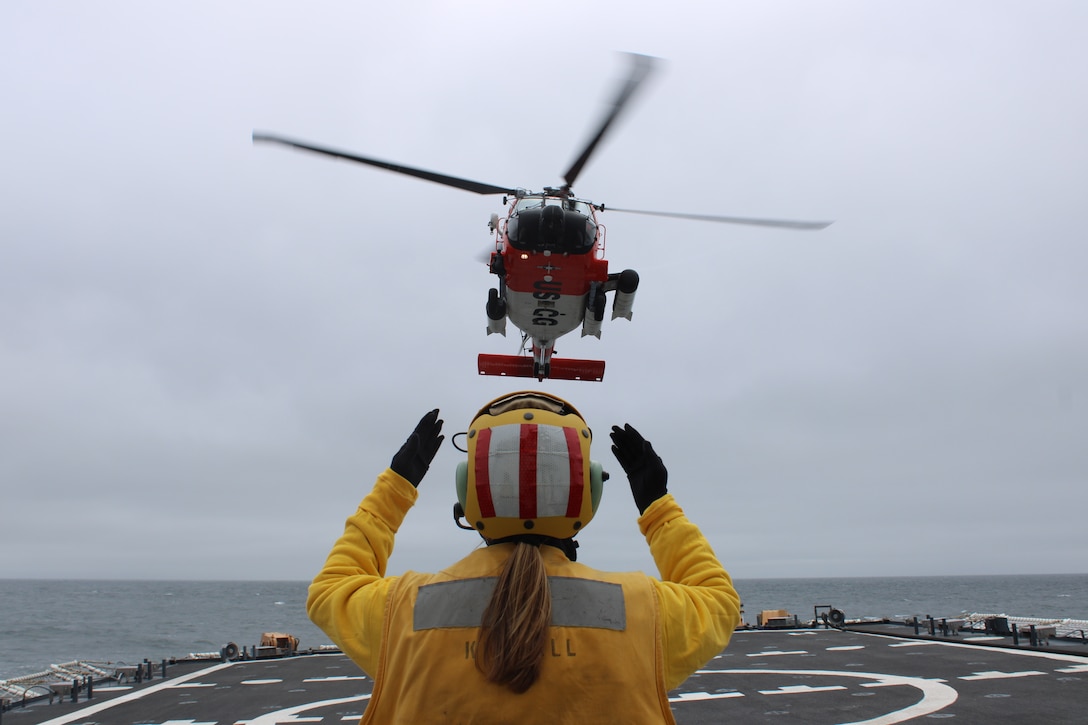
[(542, 361), (541, 371), (598, 307), (496, 305)]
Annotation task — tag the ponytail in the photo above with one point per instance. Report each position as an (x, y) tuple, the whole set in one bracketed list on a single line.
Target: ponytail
[(514, 629)]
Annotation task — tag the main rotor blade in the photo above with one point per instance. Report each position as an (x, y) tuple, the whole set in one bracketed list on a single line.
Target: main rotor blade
[(454, 181), (782, 223), (642, 64)]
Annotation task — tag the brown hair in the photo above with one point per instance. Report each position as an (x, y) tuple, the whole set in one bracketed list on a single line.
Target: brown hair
[(514, 628)]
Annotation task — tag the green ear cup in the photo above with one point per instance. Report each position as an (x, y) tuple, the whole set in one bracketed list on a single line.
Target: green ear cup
[(461, 480), (596, 484)]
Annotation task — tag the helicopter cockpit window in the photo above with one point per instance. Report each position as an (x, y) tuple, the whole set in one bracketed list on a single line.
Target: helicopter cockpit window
[(532, 202), (552, 224)]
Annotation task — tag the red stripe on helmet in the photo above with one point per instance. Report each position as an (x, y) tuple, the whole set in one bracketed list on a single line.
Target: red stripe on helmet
[(527, 472), (483, 478), (577, 477)]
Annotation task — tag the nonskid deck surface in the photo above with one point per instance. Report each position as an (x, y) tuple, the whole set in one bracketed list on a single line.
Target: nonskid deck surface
[(811, 676)]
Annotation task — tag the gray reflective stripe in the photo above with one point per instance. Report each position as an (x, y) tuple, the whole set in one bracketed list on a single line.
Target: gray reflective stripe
[(575, 603), (452, 604), (587, 603)]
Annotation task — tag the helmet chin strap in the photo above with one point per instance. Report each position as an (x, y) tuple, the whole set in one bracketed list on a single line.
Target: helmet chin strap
[(568, 546)]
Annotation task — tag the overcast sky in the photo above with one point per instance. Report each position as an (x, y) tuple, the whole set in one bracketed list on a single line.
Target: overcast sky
[(208, 349)]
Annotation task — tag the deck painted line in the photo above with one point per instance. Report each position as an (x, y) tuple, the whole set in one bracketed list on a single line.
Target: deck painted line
[(165, 685), (996, 675), (699, 696), (982, 639), (896, 684), (846, 648), (936, 696), (270, 681), (1072, 670), (800, 689), (775, 653), (288, 715), (188, 685), (1059, 656), (335, 678)]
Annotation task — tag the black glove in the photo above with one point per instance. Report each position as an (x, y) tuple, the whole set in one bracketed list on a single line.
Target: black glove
[(643, 467), (415, 456)]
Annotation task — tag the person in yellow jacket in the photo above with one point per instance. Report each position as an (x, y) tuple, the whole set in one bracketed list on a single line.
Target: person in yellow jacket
[(518, 631)]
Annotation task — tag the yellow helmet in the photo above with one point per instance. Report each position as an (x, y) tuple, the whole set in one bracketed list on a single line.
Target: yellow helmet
[(528, 469)]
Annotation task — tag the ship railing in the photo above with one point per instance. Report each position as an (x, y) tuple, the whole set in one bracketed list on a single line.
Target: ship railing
[(11, 688), (80, 669), (57, 681), (1063, 628), (49, 691)]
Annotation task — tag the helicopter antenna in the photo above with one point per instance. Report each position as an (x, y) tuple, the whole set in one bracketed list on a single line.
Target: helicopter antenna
[(641, 66)]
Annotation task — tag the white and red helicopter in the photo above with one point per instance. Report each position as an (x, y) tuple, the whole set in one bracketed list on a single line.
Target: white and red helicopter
[(549, 256)]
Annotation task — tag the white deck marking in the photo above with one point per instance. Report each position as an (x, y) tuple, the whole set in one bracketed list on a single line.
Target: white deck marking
[(775, 653), (1060, 656), (935, 695), (997, 675), (698, 696), (800, 689), (287, 715), (1078, 668), (136, 695), (846, 648), (335, 678), (270, 681)]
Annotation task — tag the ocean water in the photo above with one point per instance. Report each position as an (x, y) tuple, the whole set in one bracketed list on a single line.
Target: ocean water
[(1057, 596), (45, 622)]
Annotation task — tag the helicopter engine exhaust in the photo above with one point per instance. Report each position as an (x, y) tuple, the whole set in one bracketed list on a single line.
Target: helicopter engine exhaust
[(591, 323), (496, 313), (625, 294)]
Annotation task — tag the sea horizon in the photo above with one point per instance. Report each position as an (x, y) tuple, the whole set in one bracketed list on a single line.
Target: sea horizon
[(47, 621), (750, 578)]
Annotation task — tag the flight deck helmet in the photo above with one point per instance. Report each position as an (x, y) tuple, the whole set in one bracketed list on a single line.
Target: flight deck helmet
[(528, 469)]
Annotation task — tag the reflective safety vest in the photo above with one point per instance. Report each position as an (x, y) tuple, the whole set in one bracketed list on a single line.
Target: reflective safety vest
[(604, 661)]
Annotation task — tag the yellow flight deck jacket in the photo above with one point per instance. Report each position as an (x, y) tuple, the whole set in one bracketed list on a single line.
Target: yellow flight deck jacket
[(619, 642)]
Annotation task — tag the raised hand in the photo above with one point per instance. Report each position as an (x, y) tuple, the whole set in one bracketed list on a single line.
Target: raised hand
[(645, 471), (415, 456)]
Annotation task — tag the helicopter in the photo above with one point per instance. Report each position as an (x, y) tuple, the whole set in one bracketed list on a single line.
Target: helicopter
[(549, 254)]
